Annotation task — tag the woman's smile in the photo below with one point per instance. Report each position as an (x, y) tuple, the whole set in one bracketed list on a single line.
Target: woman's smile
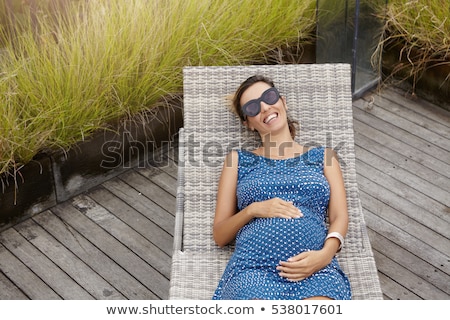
[(271, 117)]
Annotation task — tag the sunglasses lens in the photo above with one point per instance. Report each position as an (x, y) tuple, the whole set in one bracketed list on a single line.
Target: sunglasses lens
[(271, 96), (252, 109)]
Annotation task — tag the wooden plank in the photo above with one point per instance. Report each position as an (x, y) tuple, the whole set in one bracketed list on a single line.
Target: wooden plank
[(167, 161), (421, 268), (407, 279), (388, 203), (392, 290), (374, 159), (43, 267), (146, 250), (134, 219), (398, 160), (8, 290), (409, 152), (150, 190), (92, 256), (409, 242), (171, 168), (402, 205), (160, 178), (402, 190), (421, 106), (141, 204), (127, 259), (67, 261), (28, 282), (406, 125), (404, 222), (418, 142), (397, 108)]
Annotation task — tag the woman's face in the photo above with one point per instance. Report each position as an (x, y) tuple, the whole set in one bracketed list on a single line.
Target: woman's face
[(272, 117)]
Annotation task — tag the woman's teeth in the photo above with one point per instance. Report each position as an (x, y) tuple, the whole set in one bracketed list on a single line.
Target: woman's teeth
[(270, 117)]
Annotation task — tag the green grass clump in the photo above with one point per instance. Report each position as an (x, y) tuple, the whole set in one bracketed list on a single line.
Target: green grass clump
[(65, 74), (421, 30)]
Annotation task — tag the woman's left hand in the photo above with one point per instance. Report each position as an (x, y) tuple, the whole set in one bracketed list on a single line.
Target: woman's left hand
[(303, 265)]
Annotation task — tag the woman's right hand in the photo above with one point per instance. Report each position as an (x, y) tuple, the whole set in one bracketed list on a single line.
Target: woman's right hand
[(274, 208)]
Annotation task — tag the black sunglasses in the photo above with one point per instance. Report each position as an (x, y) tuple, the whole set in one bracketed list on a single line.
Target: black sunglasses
[(253, 107)]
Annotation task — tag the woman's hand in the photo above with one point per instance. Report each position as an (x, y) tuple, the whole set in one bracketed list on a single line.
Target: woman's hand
[(274, 208), (304, 264)]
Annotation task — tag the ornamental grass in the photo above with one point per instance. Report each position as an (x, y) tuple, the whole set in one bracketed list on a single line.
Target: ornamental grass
[(67, 73)]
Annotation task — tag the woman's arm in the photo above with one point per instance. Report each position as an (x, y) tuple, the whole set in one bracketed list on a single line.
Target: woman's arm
[(337, 207), (227, 221)]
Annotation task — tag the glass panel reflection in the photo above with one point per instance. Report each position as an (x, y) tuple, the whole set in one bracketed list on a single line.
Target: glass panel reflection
[(348, 31)]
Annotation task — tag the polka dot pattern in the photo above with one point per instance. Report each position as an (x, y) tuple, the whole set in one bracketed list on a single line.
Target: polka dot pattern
[(262, 243)]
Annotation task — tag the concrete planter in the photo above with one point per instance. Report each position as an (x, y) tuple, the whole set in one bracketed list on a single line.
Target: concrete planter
[(50, 179), (27, 192)]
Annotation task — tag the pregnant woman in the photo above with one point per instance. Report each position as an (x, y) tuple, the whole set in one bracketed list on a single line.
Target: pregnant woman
[(283, 205)]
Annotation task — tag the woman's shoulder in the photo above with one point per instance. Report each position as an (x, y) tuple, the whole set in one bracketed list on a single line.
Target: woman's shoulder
[(243, 153), (239, 156), (326, 151), (244, 159), (328, 156), (315, 150), (233, 155), (231, 161), (317, 155)]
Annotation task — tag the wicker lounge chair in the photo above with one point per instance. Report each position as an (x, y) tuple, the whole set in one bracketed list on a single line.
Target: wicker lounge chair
[(319, 97)]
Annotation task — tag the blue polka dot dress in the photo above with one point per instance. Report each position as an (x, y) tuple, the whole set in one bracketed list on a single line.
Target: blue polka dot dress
[(263, 242)]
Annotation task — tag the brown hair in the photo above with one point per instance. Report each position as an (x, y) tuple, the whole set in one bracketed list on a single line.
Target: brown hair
[(236, 102)]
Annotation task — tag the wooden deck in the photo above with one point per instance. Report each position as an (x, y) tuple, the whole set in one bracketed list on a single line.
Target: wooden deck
[(115, 241)]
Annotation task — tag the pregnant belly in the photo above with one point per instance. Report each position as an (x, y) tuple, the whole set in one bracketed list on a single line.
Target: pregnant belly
[(266, 241)]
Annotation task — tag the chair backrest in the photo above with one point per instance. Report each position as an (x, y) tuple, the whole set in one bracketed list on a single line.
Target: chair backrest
[(319, 98)]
